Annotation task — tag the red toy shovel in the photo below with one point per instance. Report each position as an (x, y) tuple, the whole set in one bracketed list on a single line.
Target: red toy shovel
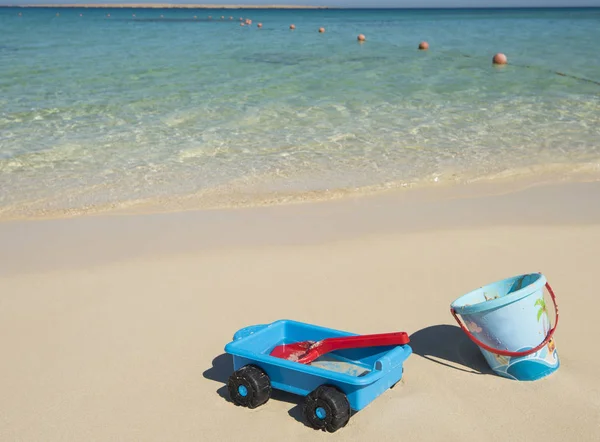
[(307, 351)]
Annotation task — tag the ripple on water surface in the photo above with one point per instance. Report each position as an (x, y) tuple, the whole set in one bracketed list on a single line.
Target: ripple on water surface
[(209, 113)]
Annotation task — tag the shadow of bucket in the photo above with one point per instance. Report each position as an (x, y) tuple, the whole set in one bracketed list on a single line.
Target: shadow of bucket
[(508, 320)]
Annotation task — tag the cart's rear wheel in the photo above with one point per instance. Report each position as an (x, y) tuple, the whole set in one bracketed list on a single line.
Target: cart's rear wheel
[(327, 408), (249, 386)]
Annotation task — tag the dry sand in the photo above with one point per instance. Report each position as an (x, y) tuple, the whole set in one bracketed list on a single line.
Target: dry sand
[(113, 327)]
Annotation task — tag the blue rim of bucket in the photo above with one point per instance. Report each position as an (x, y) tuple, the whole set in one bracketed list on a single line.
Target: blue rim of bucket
[(503, 300)]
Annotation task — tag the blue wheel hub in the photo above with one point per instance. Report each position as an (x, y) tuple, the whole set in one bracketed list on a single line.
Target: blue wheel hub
[(321, 413), (243, 391)]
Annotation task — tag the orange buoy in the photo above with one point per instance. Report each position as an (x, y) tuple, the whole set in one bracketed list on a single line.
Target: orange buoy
[(292, 26), (361, 37), (500, 59), (242, 24), (321, 30), (423, 46), (259, 25)]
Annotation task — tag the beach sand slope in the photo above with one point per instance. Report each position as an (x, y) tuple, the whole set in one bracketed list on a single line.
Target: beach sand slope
[(128, 345)]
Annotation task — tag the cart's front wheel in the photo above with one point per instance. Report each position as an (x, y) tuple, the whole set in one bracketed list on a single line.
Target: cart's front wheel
[(327, 408), (249, 386)]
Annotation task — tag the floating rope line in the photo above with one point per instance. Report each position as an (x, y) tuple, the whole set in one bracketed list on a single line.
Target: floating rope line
[(562, 74)]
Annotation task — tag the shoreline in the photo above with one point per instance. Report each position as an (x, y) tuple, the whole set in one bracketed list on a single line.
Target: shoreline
[(220, 199), (31, 245)]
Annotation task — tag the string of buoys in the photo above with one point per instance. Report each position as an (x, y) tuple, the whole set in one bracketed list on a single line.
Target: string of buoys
[(499, 59)]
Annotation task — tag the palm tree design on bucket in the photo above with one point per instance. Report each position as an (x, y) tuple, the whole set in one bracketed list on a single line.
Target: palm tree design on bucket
[(542, 312)]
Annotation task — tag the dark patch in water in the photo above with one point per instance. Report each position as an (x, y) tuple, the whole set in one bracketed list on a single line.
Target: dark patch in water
[(278, 58), (371, 58), (287, 59), (169, 20)]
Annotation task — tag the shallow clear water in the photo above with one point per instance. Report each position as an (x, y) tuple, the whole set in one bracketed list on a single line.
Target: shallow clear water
[(99, 112)]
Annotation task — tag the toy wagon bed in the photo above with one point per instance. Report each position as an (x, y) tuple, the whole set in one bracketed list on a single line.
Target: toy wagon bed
[(333, 385)]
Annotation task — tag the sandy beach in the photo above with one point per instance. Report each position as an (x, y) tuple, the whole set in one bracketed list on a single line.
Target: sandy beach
[(113, 327)]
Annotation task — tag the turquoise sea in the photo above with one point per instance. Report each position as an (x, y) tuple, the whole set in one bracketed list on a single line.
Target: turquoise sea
[(101, 109)]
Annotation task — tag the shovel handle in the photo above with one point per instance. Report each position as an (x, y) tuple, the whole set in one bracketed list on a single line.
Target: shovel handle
[(513, 353), (361, 341)]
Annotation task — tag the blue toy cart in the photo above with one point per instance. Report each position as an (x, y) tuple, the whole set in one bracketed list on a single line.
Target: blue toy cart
[(333, 385)]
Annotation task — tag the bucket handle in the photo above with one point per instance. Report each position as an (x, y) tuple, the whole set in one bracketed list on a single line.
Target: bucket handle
[(513, 353)]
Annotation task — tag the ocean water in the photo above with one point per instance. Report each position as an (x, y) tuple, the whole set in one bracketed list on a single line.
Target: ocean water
[(170, 108)]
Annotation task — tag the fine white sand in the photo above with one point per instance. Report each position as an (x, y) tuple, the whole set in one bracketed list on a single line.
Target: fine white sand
[(113, 327)]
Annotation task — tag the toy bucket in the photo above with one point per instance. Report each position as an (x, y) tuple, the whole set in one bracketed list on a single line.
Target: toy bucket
[(509, 322)]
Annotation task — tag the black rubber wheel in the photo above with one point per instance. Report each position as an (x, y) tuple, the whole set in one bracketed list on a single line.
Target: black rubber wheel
[(249, 387), (327, 409)]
